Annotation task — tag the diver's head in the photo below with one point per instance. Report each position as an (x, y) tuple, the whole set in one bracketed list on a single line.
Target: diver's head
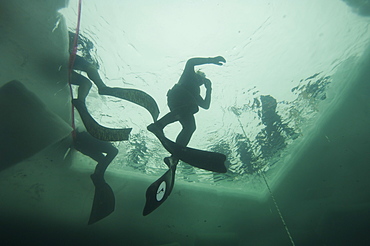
[(201, 77)]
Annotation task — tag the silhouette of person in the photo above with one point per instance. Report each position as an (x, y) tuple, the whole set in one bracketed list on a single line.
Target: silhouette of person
[(271, 139), (103, 152), (184, 100)]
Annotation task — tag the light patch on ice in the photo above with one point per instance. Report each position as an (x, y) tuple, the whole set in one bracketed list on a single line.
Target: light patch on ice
[(288, 50)]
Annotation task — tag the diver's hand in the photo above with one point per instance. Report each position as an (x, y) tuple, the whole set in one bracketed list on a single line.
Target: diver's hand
[(208, 84), (218, 60)]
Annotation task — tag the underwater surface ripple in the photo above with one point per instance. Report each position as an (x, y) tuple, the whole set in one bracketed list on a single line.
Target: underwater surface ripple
[(281, 58)]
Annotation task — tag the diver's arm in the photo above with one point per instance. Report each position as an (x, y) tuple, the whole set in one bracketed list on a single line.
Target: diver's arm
[(189, 67), (206, 102), (218, 60)]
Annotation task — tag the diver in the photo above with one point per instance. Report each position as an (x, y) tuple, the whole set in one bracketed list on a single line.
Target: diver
[(101, 151), (184, 100)]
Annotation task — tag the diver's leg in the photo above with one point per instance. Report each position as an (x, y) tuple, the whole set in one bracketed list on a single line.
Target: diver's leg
[(188, 128), (91, 71), (178, 110), (101, 167), (157, 127), (84, 85), (94, 148), (169, 118), (93, 74)]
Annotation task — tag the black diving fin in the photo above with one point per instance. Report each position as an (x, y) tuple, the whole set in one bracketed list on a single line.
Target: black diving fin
[(158, 191), (104, 202), (135, 96), (96, 130)]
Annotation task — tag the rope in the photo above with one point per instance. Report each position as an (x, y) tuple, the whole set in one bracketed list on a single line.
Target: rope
[(277, 208), (72, 58), (272, 196)]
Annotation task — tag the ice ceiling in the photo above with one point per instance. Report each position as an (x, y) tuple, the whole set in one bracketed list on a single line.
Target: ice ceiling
[(281, 58)]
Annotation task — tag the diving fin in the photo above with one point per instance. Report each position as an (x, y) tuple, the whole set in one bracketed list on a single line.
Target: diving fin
[(135, 96), (95, 129), (207, 160), (158, 191), (103, 204)]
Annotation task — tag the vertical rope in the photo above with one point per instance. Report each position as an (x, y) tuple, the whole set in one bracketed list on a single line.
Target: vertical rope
[(268, 187), (72, 58), (277, 208)]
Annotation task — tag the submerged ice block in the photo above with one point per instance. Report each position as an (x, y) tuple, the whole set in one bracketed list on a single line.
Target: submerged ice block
[(36, 111), (26, 124)]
